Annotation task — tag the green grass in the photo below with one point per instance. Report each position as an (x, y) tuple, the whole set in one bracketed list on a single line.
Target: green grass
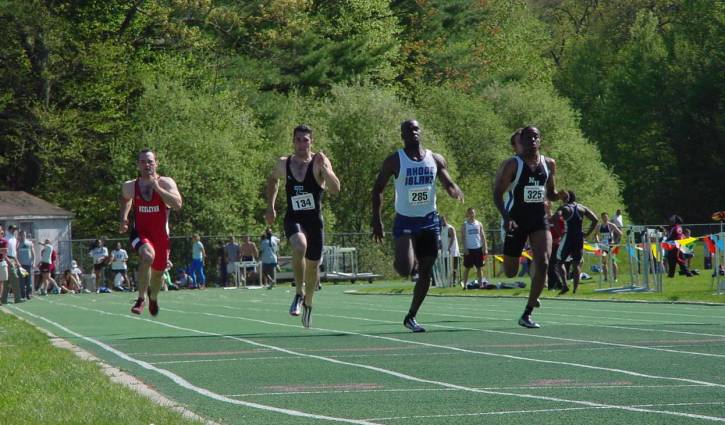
[(680, 288), (42, 384)]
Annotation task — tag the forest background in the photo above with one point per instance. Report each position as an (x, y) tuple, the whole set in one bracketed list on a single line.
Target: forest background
[(627, 93)]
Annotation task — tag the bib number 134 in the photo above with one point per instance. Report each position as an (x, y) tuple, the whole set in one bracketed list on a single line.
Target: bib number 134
[(303, 202)]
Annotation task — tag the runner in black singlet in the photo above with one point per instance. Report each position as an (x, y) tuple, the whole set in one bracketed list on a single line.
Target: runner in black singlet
[(306, 175), (526, 179)]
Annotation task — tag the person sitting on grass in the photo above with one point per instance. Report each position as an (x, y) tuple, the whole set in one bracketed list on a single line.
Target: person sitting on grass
[(70, 283)]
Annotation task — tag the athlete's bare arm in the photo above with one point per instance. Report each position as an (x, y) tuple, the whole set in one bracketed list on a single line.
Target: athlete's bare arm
[(504, 177), (551, 193), (453, 238), (278, 172), (125, 203), (464, 236), (390, 167), (593, 218), (169, 192), (484, 245), (325, 175), (451, 188)]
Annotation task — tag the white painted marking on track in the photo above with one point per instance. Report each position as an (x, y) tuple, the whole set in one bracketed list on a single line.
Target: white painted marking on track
[(178, 380), (423, 380), (512, 412)]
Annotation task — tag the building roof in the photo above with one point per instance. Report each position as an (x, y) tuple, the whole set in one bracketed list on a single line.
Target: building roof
[(24, 206)]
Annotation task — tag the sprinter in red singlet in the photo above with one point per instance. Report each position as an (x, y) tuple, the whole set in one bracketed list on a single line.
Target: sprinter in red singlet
[(151, 196)]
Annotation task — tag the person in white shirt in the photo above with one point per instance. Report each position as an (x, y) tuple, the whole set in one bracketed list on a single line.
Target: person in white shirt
[(99, 253), (475, 249), (119, 268), (618, 219), (450, 253), (268, 247), (46, 258)]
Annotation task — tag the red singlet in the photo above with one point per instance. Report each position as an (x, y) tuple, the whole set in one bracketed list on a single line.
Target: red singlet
[(151, 222)]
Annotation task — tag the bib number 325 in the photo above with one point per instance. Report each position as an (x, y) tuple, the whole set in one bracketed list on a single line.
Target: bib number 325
[(534, 194)]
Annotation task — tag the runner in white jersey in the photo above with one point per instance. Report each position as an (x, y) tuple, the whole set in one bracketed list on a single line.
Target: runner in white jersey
[(475, 249), (416, 228), (449, 247)]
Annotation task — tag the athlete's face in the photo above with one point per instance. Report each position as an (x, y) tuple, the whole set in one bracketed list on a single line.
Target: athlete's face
[(147, 164), (605, 218), (411, 133), (302, 142), (471, 214), (529, 141)]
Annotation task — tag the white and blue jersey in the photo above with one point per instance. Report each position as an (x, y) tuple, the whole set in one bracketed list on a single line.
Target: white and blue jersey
[(415, 195)]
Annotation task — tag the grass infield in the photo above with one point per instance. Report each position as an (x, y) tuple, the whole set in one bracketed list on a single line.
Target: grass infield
[(237, 357)]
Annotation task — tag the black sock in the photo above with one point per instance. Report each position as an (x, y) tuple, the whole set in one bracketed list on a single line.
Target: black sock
[(528, 310)]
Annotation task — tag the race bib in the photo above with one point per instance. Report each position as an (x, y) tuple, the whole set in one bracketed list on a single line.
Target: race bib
[(534, 194), (303, 202), (419, 196)]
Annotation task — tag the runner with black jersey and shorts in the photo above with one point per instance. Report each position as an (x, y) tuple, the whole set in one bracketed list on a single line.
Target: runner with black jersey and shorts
[(151, 196), (572, 241), (416, 228), (306, 175), (522, 184)]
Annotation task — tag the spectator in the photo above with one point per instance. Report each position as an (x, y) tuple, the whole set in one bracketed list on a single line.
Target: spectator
[(449, 244), (4, 269), (70, 283), (46, 259), (268, 246), (474, 246), (249, 252), (78, 274), (688, 252), (119, 267), (572, 243), (166, 283), (183, 280), (232, 255), (674, 255), (607, 235), (99, 254), (11, 260), (618, 219), (222, 263), (198, 255), (26, 257)]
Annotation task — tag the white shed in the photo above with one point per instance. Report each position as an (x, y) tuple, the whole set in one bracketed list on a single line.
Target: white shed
[(41, 220)]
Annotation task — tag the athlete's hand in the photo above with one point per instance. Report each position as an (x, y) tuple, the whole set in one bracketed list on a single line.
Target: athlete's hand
[(123, 227), (270, 215), (377, 230), (323, 164), (455, 192), (510, 225)]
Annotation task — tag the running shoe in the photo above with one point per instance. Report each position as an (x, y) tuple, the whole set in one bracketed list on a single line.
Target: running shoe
[(410, 323), (537, 304), (153, 307), (138, 307), (526, 322), (306, 315), (295, 308), (564, 290)]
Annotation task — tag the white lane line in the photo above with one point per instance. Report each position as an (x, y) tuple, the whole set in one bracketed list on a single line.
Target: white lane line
[(522, 334), (505, 313), (519, 387), (511, 412), (448, 313), (178, 380), (403, 375)]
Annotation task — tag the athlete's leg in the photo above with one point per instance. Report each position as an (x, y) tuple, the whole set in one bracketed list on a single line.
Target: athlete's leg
[(298, 241), (605, 267), (312, 275), (425, 246), (404, 257), (465, 276), (146, 255), (479, 274), (156, 278), (541, 246)]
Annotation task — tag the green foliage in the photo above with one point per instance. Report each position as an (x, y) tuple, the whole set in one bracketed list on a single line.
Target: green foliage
[(210, 144)]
